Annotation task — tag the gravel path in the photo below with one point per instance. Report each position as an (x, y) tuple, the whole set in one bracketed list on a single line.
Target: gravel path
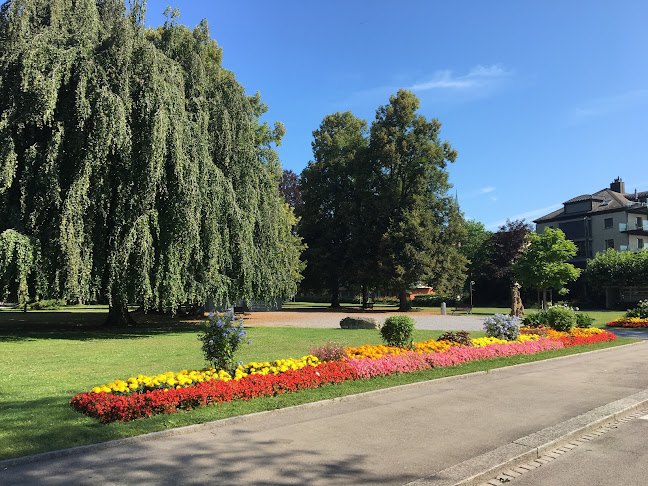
[(332, 320)]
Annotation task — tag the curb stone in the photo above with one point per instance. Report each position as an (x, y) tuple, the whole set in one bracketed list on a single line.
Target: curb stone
[(4, 464), (545, 445)]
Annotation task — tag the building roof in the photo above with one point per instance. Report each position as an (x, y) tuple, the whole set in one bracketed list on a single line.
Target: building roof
[(605, 200), (585, 197)]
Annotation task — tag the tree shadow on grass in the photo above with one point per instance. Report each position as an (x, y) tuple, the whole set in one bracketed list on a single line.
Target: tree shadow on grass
[(84, 326)]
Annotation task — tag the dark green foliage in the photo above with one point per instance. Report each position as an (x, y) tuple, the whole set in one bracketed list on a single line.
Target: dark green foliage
[(377, 213), (398, 331), (330, 207), (583, 320), (503, 248), (640, 311), (48, 304), (435, 300), (135, 163), (561, 318), (536, 319), (462, 338)]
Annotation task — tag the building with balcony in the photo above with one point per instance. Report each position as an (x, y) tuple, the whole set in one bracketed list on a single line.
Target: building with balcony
[(609, 218)]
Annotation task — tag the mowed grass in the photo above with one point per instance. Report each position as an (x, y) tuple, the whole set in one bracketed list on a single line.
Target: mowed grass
[(42, 369)]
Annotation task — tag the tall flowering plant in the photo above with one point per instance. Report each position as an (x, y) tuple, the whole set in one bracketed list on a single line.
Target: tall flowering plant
[(501, 326), (220, 338)]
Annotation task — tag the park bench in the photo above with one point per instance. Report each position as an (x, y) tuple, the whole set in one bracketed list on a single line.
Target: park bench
[(368, 305), (467, 308)]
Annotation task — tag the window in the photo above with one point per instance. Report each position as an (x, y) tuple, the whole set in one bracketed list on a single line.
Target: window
[(639, 222), (609, 223), (581, 248), (640, 244), (609, 244)]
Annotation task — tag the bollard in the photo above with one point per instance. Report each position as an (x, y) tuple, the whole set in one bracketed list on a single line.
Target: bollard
[(443, 308)]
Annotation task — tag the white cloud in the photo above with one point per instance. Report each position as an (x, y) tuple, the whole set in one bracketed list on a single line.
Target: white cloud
[(478, 77), (609, 104), (528, 216), (486, 190)]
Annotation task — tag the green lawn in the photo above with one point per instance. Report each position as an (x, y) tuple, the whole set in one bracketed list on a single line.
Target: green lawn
[(43, 365)]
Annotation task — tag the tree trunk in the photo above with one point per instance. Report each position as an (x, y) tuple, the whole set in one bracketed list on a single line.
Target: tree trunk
[(335, 298), (118, 315), (544, 299), (405, 303), (365, 295)]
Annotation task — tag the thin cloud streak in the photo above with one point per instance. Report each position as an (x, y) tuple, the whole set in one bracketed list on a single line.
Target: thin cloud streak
[(528, 216), (478, 77)]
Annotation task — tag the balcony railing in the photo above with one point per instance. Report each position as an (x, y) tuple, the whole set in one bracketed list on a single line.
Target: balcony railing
[(623, 227), (632, 248)]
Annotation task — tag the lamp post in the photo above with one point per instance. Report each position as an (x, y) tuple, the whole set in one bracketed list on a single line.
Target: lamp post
[(472, 282)]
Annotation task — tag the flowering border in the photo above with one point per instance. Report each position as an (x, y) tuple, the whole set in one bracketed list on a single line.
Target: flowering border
[(109, 407), (115, 407), (631, 322)]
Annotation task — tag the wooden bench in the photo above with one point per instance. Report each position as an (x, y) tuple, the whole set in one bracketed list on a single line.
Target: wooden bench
[(462, 308), (368, 305)]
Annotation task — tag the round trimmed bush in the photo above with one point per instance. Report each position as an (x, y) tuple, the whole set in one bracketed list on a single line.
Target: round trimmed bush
[(561, 318), (398, 331)]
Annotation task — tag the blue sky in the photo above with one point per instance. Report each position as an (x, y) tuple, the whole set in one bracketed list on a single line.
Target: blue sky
[(543, 101)]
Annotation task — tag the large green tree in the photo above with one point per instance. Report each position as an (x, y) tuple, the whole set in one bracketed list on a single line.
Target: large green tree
[(135, 163), (416, 218), (329, 192), (543, 263), (474, 247), (612, 270)]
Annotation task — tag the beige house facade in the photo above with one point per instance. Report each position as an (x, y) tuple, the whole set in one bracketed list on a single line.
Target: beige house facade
[(609, 218)]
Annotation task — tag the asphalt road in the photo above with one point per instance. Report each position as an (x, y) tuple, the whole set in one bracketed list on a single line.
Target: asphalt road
[(390, 437)]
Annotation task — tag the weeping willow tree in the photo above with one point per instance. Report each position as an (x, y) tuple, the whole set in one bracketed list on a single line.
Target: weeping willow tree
[(134, 164)]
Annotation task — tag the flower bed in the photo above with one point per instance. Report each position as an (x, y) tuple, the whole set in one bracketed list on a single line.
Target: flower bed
[(111, 407), (144, 396), (631, 322)]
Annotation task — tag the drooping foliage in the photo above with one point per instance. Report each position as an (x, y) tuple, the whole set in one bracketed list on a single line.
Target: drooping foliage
[(135, 162)]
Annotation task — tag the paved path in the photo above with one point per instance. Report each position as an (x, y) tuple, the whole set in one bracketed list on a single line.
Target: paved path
[(390, 437), (332, 320), (618, 456)]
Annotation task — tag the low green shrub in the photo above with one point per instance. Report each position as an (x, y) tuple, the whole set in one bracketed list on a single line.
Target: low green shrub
[(537, 319), (398, 331), (48, 304), (386, 300), (433, 300), (584, 320), (561, 318), (640, 311)]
